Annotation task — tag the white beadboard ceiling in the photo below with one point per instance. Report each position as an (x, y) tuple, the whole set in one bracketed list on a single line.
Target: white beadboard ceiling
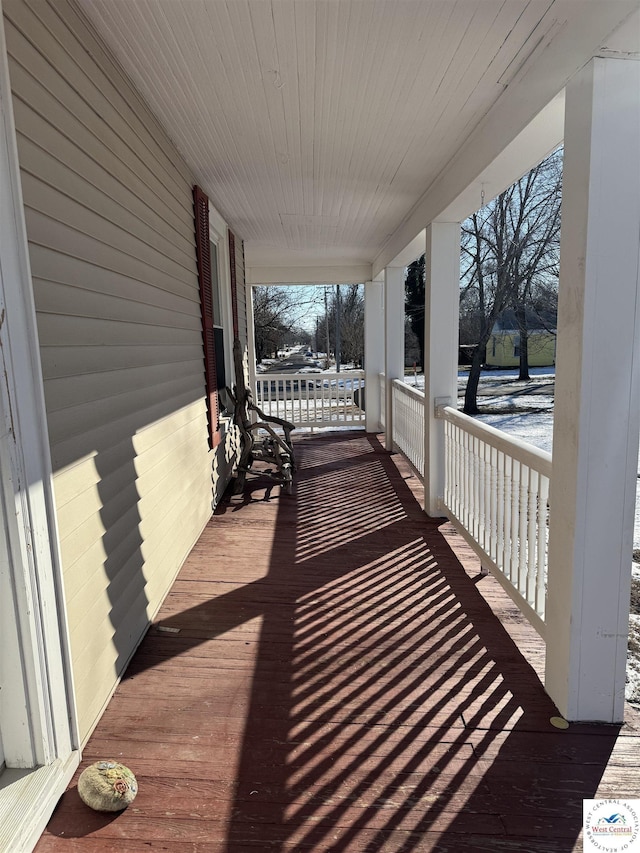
[(316, 126)]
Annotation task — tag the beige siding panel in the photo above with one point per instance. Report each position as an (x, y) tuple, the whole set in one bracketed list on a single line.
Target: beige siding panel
[(75, 272), (68, 140), (59, 104), (117, 520), (68, 481), (99, 664), (73, 391), (105, 496), (70, 452), (88, 51), (121, 597), (116, 540), (47, 231), (83, 331), (73, 63), (76, 361), (71, 301), (83, 417), (54, 298), (131, 596), (116, 388), (63, 178), (52, 203)]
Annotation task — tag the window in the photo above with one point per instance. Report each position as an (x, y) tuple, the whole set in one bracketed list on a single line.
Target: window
[(216, 257), (218, 325)]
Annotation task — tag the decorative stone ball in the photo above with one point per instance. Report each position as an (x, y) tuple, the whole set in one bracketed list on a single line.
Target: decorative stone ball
[(107, 786)]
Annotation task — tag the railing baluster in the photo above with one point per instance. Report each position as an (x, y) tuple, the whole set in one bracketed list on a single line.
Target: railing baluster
[(493, 502), (522, 530), (500, 509), (532, 531), (543, 539)]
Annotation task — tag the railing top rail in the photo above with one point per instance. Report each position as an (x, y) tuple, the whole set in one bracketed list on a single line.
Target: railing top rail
[(316, 377), (408, 389), (526, 453)]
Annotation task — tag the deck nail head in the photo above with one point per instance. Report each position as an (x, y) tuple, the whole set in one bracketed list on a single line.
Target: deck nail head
[(559, 722)]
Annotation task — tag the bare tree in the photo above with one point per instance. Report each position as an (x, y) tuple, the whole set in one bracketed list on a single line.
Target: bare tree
[(278, 315), (414, 302), (509, 256), (351, 322)]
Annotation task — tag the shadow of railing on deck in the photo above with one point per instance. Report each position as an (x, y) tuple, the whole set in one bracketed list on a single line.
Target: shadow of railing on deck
[(389, 708)]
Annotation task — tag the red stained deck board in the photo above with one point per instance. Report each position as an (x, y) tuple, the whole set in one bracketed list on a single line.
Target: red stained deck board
[(340, 682)]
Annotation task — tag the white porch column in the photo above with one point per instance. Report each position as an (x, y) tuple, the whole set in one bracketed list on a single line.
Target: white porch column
[(251, 340), (597, 399), (441, 312), (393, 339), (373, 351)]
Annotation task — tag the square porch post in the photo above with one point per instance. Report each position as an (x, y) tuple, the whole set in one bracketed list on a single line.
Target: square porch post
[(441, 313), (394, 340), (373, 351), (597, 400), (251, 341)]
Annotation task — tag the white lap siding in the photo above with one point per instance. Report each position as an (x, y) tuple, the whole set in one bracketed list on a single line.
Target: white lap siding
[(109, 216)]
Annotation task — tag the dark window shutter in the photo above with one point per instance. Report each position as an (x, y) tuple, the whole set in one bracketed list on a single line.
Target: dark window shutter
[(203, 255)]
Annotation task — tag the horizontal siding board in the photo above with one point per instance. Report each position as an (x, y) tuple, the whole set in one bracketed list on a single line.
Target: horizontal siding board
[(138, 507), (70, 481), (84, 417), (79, 219), (88, 580), (60, 362), (99, 670), (129, 214), (73, 63), (135, 573), (89, 51), (56, 101), (72, 301), (74, 391), (99, 494), (115, 448), (76, 272), (48, 232), (70, 449), (83, 331)]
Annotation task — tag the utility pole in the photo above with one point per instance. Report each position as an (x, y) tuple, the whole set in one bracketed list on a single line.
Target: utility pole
[(326, 324), (338, 323)]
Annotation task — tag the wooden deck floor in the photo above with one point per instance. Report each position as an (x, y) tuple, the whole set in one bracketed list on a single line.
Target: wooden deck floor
[(335, 680)]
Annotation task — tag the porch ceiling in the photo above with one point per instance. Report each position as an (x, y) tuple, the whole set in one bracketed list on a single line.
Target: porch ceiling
[(318, 127)]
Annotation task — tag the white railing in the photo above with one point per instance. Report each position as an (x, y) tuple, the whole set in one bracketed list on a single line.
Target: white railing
[(497, 495), (382, 385), (408, 423), (313, 399)]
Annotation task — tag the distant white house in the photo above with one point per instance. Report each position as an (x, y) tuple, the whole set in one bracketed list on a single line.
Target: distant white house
[(503, 348)]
